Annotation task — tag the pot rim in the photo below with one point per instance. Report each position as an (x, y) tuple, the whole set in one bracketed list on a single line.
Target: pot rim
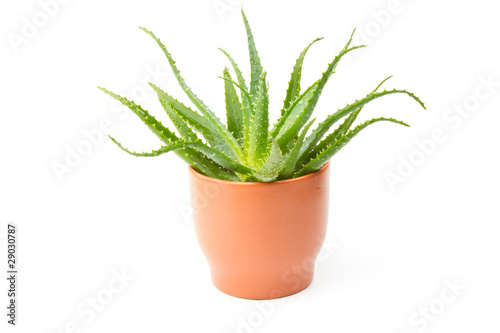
[(284, 181)]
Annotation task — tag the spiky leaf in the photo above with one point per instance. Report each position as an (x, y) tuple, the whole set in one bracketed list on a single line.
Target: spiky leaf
[(341, 130), (300, 120), (235, 117), (291, 159), (324, 126), (293, 90), (246, 101), (193, 157), (333, 147), (229, 144), (255, 65), (163, 133), (289, 126), (259, 129), (270, 169), (200, 163), (198, 122), (211, 153)]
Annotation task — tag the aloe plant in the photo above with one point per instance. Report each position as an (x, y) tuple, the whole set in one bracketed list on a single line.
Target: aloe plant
[(246, 147)]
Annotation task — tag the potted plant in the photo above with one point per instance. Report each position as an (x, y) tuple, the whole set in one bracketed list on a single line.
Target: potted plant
[(264, 189)]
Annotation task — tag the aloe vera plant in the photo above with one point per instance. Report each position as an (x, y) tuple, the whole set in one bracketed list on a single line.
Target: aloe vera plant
[(247, 148)]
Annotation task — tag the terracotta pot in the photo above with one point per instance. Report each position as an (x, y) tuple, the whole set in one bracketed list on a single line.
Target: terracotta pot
[(261, 239)]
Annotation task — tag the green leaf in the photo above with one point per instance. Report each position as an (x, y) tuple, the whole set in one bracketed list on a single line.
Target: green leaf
[(239, 74), (171, 146), (255, 66), (333, 147), (293, 90), (163, 133), (194, 158), (198, 122), (230, 145), (288, 126), (344, 127), (200, 163), (246, 101), (180, 124), (259, 130), (324, 126), (341, 130), (300, 120), (381, 83), (270, 169), (204, 165), (211, 153), (235, 117), (293, 156)]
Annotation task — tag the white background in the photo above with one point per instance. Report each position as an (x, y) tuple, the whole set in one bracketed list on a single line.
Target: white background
[(391, 250)]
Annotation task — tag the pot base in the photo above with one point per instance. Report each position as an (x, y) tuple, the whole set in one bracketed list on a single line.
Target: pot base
[(260, 290)]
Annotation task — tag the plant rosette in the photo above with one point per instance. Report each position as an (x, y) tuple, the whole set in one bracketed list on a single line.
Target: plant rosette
[(273, 180)]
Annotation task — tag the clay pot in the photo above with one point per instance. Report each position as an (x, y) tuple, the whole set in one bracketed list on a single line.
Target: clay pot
[(261, 239)]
